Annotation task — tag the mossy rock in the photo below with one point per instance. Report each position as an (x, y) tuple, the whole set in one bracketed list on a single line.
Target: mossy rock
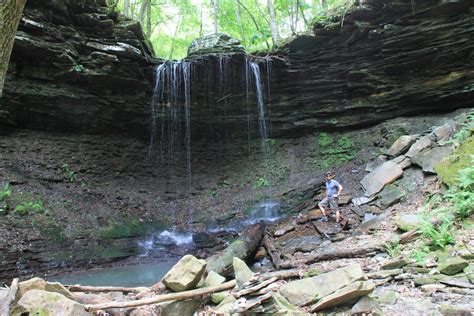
[(451, 266), (448, 169)]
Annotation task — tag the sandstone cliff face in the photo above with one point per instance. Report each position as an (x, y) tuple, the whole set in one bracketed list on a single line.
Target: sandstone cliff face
[(77, 67)]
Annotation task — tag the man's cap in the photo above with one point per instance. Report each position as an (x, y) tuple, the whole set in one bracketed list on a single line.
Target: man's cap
[(328, 173)]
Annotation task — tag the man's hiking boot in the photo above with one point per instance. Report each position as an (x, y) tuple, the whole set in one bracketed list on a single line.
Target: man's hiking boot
[(324, 218)]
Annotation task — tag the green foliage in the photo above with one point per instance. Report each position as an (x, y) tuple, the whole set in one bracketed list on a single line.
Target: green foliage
[(393, 249), (129, 227), (28, 206), (440, 236), (69, 173), (260, 183), (5, 193), (419, 255), (78, 68), (333, 154)]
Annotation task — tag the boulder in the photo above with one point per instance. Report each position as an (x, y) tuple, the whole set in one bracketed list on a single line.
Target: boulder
[(186, 274), (39, 302), (301, 291), (401, 144), (366, 305), (407, 222), (374, 182), (419, 145), (226, 305), (452, 266), (428, 159), (445, 131), (217, 298), (345, 295), (218, 43), (213, 279), (40, 284), (242, 272)]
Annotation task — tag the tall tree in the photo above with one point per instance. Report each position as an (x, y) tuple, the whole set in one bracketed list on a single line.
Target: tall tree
[(148, 19), (126, 7), (142, 12), (10, 14), (273, 25), (216, 16)]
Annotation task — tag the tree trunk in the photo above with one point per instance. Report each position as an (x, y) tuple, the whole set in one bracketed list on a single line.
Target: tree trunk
[(126, 7), (273, 25), (253, 19), (299, 6), (216, 16), (242, 248), (323, 4), (239, 20), (141, 14), (148, 19), (10, 15)]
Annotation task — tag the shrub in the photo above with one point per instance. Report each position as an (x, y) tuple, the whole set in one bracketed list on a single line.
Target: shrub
[(261, 182), (5, 193)]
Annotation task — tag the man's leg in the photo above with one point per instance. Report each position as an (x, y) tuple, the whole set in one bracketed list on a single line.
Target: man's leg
[(322, 206), (334, 203)]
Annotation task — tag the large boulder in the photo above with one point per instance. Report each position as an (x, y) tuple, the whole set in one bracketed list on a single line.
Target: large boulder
[(218, 43), (452, 266), (39, 302), (40, 284), (181, 308), (375, 181), (428, 159), (406, 222), (301, 291), (345, 295), (421, 144), (186, 274)]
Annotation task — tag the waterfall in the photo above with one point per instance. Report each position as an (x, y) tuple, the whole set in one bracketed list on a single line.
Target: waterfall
[(171, 78), (261, 106)]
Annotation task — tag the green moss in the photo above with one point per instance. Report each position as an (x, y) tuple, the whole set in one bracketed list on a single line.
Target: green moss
[(448, 169), (311, 273), (128, 228)]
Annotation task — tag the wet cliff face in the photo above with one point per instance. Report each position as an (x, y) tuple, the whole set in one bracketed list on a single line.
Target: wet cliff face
[(76, 67)]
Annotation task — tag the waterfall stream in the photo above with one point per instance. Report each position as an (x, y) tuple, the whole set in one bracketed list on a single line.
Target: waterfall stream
[(171, 125)]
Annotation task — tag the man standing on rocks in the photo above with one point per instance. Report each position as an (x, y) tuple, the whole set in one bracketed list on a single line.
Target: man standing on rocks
[(333, 190)]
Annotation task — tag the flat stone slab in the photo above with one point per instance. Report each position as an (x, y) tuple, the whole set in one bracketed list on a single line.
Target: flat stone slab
[(327, 228), (419, 145), (401, 144), (375, 181), (428, 159), (345, 295), (301, 291)]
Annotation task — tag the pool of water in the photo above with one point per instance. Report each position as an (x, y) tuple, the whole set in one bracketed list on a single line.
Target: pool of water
[(128, 276)]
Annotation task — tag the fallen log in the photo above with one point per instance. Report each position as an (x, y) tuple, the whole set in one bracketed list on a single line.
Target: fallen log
[(274, 254), (179, 296), (281, 275), (5, 311), (242, 248), (85, 288)]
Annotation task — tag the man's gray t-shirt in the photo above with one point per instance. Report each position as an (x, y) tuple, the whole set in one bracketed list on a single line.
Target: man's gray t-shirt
[(332, 187)]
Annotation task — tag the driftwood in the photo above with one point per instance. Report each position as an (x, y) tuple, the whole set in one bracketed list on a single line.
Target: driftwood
[(274, 254), (163, 298), (282, 274), (330, 255), (242, 248), (255, 288), (10, 298), (84, 288)]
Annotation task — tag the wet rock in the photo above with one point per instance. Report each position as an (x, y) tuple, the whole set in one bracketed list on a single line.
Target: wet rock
[(419, 145), (428, 159), (218, 43), (452, 266), (283, 230), (182, 308), (186, 274), (39, 302), (407, 222), (204, 240), (388, 297), (394, 264), (366, 305), (345, 295), (327, 228), (242, 272), (304, 244), (301, 291), (390, 195), (381, 176), (401, 144)]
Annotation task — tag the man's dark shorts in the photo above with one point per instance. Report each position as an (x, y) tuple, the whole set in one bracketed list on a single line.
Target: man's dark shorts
[(332, 202)]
